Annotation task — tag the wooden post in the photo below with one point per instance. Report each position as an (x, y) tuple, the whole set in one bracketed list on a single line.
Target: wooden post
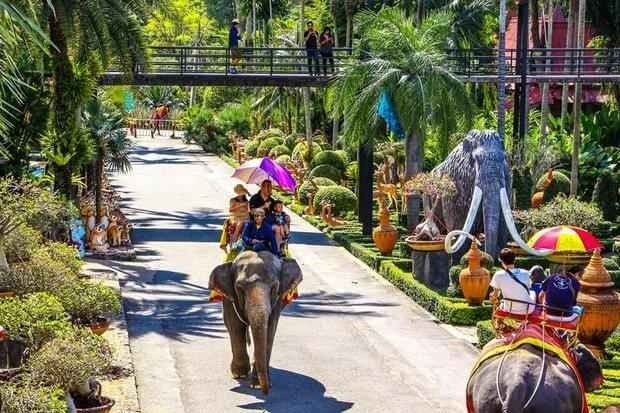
[(364, 186)]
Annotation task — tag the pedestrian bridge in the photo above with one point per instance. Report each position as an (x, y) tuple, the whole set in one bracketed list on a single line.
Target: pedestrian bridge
[(213, 66)]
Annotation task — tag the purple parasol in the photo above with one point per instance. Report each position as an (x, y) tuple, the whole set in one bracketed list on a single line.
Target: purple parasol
[(255, 171)]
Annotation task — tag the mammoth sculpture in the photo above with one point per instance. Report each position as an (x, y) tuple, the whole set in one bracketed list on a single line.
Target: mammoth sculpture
[(480, 171), (256, 287)]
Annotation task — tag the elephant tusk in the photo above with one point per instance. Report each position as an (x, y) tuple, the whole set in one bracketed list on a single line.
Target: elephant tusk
[(469, 222), (510, 223), (448, 241)]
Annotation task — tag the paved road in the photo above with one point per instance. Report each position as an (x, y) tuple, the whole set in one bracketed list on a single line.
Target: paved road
[(351, 342)]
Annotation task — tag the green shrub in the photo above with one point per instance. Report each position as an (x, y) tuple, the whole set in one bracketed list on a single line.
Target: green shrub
[(330, 158), (351, 171), (344, 199), (487, 261), (63, 254), (24, 398), (560, 185), (267, 145), (279, 151), (86, 301), (269, 133), (283, 159), (301, 153), (33, 320), (562, 210), (291, 140), (610, 264), (201, 128), (70, 360), (307, 187), (485, 332), (454, 290), (326, 171), (234, 117), (522, 187), (605, 194), (251, 148), (343, 155), (21, 243)]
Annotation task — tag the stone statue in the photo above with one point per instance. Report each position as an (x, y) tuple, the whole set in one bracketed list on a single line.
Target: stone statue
[(99, 239), (114, 232), (538, 197), (326, 215), (386, 188)]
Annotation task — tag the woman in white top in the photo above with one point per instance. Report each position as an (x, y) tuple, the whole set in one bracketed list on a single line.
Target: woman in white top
[(513, 284)]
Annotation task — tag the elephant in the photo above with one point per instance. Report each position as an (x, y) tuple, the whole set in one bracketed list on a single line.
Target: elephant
[(479, 168), (559, 390), (254, 286)]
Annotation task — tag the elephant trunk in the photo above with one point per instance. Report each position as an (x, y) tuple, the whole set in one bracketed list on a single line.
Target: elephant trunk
[(258, 310)]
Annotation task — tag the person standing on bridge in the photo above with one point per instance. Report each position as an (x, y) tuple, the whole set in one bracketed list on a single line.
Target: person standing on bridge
[(234, 35), (311, 39), (326, 42)]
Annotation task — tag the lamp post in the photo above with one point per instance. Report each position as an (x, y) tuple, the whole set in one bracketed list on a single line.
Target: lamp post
[(501, 60)]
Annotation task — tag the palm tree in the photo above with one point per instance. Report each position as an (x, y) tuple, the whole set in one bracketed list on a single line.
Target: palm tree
[(78, 29), (112, 145), (406, 62)]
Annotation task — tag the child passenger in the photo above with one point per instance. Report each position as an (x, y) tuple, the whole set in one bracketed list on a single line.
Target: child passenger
[(281, 223), (239, 211)]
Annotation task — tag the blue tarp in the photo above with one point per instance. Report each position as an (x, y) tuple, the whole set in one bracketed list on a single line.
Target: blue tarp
[(386, 111)]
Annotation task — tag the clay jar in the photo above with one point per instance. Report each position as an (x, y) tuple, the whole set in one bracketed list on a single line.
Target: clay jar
[(385, 235), (601, 306), (474, 279)]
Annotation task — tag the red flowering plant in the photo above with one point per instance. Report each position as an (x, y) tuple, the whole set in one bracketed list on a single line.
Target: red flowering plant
[(433, 188)]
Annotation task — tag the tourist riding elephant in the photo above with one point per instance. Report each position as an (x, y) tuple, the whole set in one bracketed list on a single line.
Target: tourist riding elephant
[(558, 391), (255, 286), (480, 171)]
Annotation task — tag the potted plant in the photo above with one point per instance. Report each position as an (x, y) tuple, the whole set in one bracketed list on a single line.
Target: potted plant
[(427, 235), (90, 304), (72, 362)]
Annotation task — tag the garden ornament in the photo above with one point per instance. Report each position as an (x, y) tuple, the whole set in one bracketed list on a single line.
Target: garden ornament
[(537, 198), (480, 171), (326, 214), (114, 232)]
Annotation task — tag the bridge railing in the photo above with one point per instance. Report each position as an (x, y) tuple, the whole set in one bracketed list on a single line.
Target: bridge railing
[(182, 59)]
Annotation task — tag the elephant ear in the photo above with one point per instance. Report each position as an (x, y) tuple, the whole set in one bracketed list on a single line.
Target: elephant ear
[(221, 279), (290, 276)]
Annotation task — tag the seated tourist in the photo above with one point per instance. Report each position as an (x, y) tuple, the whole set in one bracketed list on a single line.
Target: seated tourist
[(513, 284), (258, 234), (280, 222), (537, 277), (239, 211), (559, 292), (263, 199)]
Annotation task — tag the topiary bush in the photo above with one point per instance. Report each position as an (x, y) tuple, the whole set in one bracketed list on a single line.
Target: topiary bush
[(307, 187), (291, 140), (344, 199), (301, 153), (560, 185), (251, 148), (352, 170), (454, 290), (86, 301), (279, 151), (561, 210), (326, 171), (344, 155), (283, 159), (269, 133), (605, 194), (24, 398), (330, 158), (33, 320), (267, 145)]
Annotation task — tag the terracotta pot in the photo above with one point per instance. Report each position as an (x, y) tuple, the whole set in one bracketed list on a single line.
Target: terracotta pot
[(100, 326), (433, 245), (385, 240), (474, 279), (601, 306), (105, 406), (7, 294)]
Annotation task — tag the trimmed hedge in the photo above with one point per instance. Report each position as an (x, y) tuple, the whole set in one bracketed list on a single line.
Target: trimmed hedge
[(344, 199), (307, 187), (283, 159), (330, 158), (279, 151), (326, 171), (267, 145), (251, 148), (560, 184), (448, 310), (343, 155)]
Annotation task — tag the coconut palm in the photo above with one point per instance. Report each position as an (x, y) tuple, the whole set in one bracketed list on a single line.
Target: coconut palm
[(405, 61), (112, 145)]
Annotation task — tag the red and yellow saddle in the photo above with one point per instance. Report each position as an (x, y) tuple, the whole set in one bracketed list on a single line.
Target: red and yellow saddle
[(531, 334)]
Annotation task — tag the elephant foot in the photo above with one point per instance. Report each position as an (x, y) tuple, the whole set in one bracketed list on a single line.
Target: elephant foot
[(239, 372)]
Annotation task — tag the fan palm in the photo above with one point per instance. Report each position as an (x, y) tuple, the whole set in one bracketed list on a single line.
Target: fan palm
[(112, 145), (405, 61)]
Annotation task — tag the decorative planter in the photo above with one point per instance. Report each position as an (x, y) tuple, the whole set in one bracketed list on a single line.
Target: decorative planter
[(100, 326), (103, 405), (427, 246), (7, 294), (569, 258), (385, 235), (601, 306), (474, 279)]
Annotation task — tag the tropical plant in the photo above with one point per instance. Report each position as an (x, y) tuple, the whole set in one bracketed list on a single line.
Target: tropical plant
[(605, 194), (86, 302), (559, 185), (112, 145), (202, 129), (561, 211), (26, 398), (403, 61), (235, 117)]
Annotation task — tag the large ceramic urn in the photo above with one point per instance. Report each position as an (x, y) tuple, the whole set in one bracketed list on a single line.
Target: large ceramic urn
[(385, 235), (474, 279), (601, 305)]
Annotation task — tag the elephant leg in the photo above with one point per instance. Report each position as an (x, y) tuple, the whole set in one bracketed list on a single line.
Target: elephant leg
[(240, 365)]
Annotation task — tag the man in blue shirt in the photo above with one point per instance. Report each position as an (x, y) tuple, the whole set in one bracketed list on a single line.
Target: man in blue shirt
[(258, 234), (560, 292), (234, 35)]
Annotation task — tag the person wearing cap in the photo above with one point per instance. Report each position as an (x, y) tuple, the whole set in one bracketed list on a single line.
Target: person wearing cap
[(258, 234), (234, 35), (263, 199), (239, 210)]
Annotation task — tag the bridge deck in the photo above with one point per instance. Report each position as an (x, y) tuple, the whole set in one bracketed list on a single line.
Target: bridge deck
[(215, 79)]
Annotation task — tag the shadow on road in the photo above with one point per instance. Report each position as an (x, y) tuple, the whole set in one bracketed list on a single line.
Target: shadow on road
[(319, 303), (292, 393)]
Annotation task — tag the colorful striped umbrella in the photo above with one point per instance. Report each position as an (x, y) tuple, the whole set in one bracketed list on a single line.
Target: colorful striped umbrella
[(565, 239)]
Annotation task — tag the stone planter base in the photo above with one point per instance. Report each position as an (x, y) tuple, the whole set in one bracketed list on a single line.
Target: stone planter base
[(432, 268), (116, 254)]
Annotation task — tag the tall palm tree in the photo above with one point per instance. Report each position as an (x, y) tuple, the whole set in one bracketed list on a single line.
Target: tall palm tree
[(406, 62), (112, 145)]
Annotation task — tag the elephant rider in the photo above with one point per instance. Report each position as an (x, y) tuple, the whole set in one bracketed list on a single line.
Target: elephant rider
[(258, 234), (559, 292), (513, 284), (263, 199)]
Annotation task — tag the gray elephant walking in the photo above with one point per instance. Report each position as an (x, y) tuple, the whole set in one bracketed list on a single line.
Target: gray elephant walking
[(254, 286)]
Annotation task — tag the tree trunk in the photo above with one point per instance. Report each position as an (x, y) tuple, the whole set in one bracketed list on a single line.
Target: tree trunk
[(99, 171), (349, 30), (335, 130), (414, 161), (419, 15), (4, 265), (302, 7), (308, 117), (364, 186), (544, 110), (574, 170), (570, 38), (501, 84), (535, 24)]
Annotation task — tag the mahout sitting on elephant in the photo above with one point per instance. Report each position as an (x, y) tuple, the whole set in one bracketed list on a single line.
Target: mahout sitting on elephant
[(256, 287)]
